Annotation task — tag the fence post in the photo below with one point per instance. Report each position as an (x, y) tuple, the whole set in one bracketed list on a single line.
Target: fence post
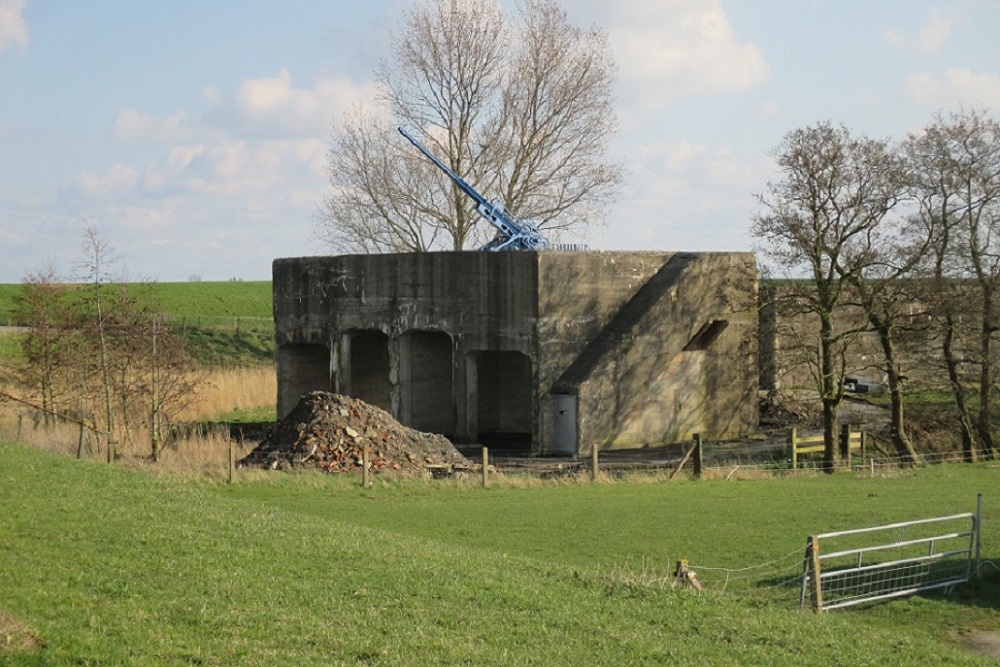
[(594, 466), (697, 455), (79, 444), (793, 449), (232, 459), (979, 535), (845, 444), (486, 467), (812, 554), (364, 463)]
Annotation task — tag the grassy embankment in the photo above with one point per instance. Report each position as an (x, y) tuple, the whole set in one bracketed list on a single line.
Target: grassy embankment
[(229, 330), (107, 566), (226, 324)]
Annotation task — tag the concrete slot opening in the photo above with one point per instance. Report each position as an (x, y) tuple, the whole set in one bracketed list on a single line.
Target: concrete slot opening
[(706, 335), (369, 367), (504, 400), (301, 368), (426, 385)]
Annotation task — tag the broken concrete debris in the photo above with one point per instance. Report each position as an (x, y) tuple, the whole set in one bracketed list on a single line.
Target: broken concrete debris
[(328, 431)]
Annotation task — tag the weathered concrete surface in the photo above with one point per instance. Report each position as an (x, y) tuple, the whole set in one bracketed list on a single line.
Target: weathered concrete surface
[(649, 347)]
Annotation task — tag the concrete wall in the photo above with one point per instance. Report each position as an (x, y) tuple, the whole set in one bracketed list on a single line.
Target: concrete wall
[(651, 347), (618, 335)]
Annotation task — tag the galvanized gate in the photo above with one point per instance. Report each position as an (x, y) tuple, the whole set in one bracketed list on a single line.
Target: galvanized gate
[(864, 565)]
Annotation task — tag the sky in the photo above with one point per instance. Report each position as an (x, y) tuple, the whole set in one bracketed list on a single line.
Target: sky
[(192, 135)]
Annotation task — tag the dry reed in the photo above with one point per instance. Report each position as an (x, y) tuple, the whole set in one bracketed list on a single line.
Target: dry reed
[(202, 452), (227, 390)]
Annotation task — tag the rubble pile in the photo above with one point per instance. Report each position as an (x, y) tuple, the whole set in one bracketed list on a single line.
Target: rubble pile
[(329, 431)]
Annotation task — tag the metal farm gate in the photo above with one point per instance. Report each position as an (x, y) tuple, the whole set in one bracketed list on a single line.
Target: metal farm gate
[(865, 565)]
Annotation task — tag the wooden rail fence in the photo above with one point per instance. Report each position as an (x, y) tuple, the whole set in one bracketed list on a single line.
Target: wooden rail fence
[(848, 441)]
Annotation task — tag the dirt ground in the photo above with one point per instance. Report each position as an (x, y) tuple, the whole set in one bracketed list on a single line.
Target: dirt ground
[(15, 637), (985, 642)]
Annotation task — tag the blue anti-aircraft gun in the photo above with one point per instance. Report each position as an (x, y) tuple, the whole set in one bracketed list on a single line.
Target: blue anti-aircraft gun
[(512, 232)]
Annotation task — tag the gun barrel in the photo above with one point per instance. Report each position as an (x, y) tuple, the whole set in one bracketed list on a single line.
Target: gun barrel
[(459, 181)]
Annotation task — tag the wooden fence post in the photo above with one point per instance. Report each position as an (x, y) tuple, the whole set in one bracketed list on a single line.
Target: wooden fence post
[(232, 460), (79, 444), (812, 553), (594, 466), (793, 453), (486, 467), (364, 464), (845, 444), (697, 455)]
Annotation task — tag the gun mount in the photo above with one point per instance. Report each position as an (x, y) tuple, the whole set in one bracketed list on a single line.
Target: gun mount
[(512, 232)]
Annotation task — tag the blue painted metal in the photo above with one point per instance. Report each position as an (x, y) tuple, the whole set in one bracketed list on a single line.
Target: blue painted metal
[(512, 232)]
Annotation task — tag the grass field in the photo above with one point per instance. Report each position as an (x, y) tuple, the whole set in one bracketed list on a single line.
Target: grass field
[(231, 299), (108, 566)]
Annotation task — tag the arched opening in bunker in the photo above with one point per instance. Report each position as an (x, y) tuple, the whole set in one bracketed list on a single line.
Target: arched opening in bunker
[(302, 368), (504, 415), (426, 385), (368, 367)]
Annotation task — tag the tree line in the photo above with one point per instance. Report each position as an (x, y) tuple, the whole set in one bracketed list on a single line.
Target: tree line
[(907, 233), (101, 352)]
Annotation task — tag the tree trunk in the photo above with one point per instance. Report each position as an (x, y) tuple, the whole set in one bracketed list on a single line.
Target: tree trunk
[(897, 429), (831, 394), (958, 391), (983, 425)]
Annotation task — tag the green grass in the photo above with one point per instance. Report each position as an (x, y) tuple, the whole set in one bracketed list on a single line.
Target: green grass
[(216, 299), (113, 567), (217, 347), (260, 414)]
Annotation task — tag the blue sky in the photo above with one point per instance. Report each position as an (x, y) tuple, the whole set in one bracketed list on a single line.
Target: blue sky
[(192, 134)]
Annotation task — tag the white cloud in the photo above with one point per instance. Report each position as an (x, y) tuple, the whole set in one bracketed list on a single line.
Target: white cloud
[(955, 88), (272, 106), (929, 39), (117, 179), (146, 219), (13, 29), (132, 125), (268, 108), (674, 48)]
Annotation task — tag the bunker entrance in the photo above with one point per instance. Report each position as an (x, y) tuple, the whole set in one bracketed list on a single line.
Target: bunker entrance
[(426, 387), (504, 400), (301, 368), (368, 367)]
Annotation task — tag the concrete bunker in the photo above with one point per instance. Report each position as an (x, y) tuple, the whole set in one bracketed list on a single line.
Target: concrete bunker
[(552, 352)]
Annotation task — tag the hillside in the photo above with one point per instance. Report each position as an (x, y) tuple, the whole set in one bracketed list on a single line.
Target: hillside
[(225, 323)]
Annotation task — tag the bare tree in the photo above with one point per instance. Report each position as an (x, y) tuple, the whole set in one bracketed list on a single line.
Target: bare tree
[(43, 308), (956, 165), (98, 259), (519, 106), (822, 220), (882, 288)]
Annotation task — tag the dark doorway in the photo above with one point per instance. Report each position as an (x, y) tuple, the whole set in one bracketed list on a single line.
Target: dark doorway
[(426, 387), (504, 400), (369, 367)]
